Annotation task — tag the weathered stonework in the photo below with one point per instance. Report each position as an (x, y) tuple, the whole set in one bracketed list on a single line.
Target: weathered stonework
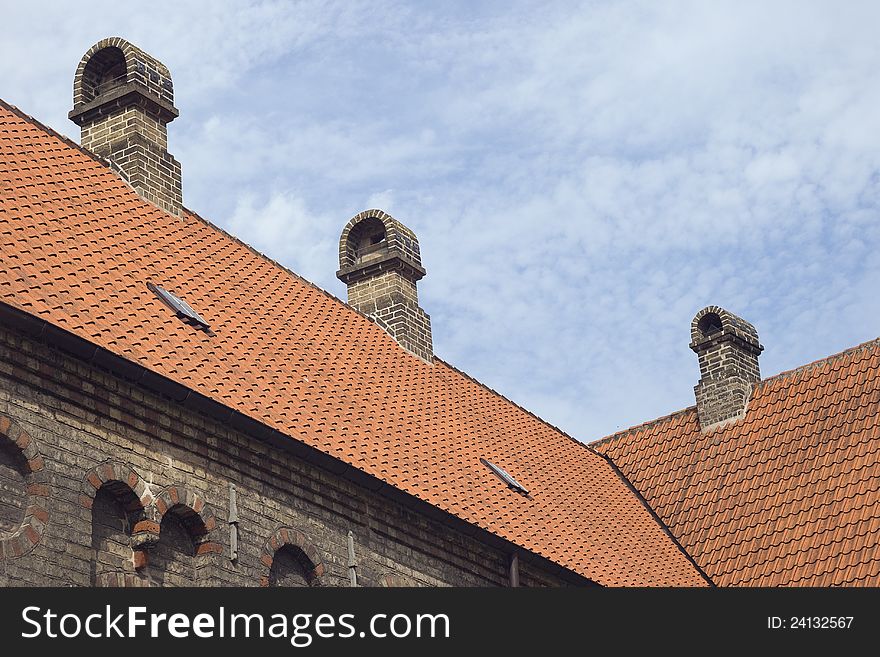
[(23, 490), (727, 348), (123, 100), (129, 488), (379, 260)]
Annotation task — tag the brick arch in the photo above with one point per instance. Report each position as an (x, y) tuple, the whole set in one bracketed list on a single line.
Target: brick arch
[(141, 68), (130, 489), (32, 467), (399, 237), (284, 536), (730, 323), (197, 516)]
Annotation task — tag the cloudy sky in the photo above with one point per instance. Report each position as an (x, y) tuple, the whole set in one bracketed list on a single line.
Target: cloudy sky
[(583, 177)]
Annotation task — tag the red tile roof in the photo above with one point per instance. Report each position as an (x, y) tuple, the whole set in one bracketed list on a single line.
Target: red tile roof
[(79, 247), (787, 496)]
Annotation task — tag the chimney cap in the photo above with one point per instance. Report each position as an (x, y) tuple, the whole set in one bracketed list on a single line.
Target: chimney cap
[(374, 241), (114, 63), (714, 324)]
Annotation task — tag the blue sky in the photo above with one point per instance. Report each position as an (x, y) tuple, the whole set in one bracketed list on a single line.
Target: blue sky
[(583, 177)]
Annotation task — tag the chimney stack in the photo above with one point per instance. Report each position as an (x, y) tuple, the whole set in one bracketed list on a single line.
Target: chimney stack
[(122, 100), (379, 261), (727, 348)]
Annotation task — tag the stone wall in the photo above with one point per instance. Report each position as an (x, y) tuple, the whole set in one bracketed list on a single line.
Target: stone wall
[(113, 485)]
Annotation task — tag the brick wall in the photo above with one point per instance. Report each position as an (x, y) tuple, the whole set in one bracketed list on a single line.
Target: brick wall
[(366, 294), (134, 143), (100, 134), (111, 467), (408, 323)]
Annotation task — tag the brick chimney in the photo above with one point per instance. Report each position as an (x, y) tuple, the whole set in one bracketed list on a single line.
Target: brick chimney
[(380, 262), (727, 348), (122, 100)]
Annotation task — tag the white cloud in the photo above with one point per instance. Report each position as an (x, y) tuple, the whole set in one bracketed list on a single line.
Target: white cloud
[(283, 228), (582, 178), (383, 200)]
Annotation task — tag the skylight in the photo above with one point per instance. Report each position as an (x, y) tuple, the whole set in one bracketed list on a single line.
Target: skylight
[(505, 476), (178, 305)]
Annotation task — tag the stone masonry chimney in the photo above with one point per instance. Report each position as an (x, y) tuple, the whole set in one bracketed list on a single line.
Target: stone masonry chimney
[(380, 262), (122, 100), (727, 348)]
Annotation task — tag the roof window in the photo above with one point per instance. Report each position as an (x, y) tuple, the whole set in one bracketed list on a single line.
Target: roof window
[(181, 307), (506, 477)]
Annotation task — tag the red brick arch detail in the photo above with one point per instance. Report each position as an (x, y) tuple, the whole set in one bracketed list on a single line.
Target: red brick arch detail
[(131, 490), (36, 516), (114, 472), (197, 516), (290, 536)]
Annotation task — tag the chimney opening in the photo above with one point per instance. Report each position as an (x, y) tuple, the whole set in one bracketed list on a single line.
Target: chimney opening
[(709, 324), (105, 70), (367, 238), (123, 102)]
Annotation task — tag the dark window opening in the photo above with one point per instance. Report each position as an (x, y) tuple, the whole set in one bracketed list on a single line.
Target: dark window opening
[(367, 237), (106, 70), (291, 568), (13, 488), (173, 561), (111, 78), (709, 324)]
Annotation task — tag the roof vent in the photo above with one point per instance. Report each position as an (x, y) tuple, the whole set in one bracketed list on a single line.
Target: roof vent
[(505, 476), (181, 307)]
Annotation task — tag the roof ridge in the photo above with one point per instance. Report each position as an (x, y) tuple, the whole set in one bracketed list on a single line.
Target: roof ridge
[(875, 342), (195, 215), (106, 162), (333, 297), (638, 427), (770, 379), (513, 403), (20, 113)]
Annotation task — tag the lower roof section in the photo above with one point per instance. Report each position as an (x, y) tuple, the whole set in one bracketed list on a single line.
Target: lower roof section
[(787, 496)]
